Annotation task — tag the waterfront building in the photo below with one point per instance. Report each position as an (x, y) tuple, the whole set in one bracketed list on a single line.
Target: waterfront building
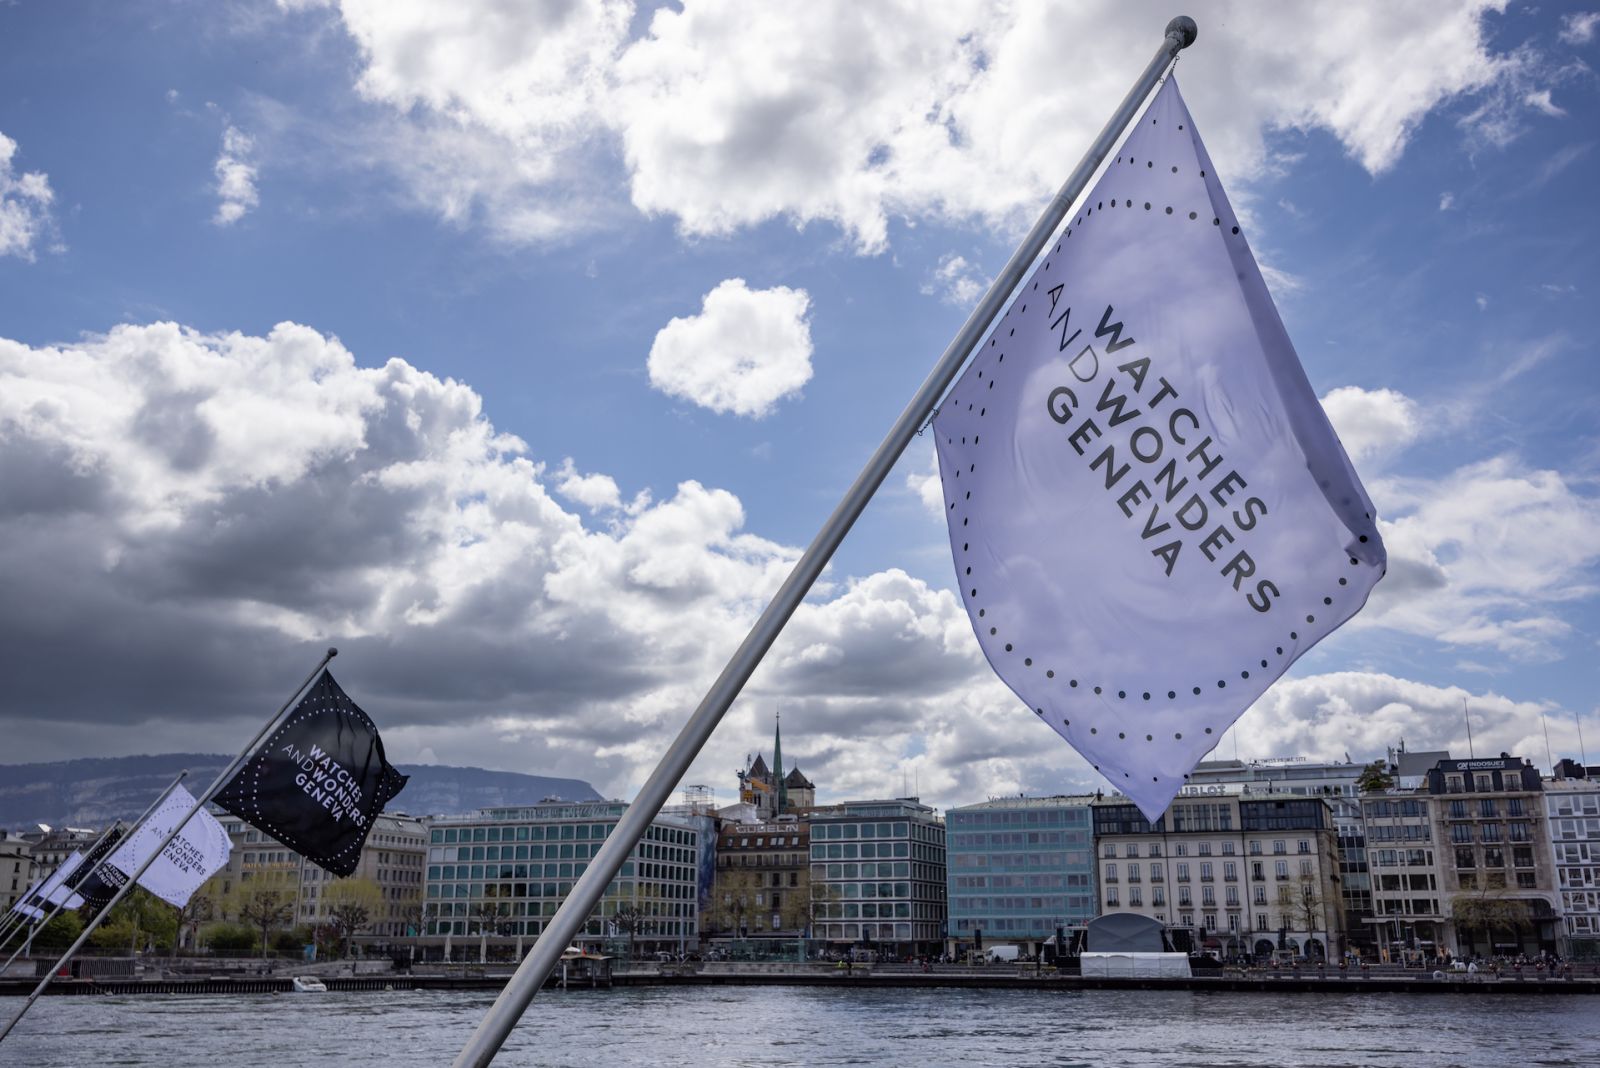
[(16, 867), (762, 888), (498, 875), (1248, 875), (49, 846), (1406, 920), (1336, 782), (1497, 871), (878, 876), (1572, 812), (393, 859), (1019, 869)]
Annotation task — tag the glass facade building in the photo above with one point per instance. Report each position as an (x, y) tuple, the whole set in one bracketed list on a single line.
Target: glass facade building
[(501, 874), (878, 876), (1019, 868)]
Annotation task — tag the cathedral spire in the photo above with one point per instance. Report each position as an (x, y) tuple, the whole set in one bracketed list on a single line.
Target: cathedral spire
[(780, 793)]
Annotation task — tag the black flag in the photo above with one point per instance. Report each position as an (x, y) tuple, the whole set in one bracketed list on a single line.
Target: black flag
[(98, 889), (319, 781)]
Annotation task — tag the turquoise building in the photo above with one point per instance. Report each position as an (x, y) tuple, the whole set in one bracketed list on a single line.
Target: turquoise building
[(1019, 867)]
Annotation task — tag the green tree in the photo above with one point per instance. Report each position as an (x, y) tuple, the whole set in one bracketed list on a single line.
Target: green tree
[(1374, 778), (59, 933), (228, 939), (140, 919), (351, 905)]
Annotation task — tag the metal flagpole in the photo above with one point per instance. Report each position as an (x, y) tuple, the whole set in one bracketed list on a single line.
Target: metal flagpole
[(199, 803), (586, 893), (100, 861), (5, 928)]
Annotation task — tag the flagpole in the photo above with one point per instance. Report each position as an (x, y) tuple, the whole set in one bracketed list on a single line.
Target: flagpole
[(100, 860), (586, 893), (8, 929), (199, 803)]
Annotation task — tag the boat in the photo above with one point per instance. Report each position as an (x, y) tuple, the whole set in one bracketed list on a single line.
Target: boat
[(309, 984)]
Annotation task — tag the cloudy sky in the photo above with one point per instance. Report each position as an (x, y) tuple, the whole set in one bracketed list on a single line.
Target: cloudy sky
[(517, 348)]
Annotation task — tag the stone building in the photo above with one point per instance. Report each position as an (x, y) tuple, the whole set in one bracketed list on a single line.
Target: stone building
[(763, 881), (394, 859), (1247, 875), (1497, 871)]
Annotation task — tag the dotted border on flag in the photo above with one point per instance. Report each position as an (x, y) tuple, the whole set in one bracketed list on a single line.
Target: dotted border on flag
[(970, 594)]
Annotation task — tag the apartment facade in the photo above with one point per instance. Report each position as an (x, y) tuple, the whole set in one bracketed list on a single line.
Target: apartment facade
[(1572, 811), (1019, 868), (1497, 868), (1247, 876), (878, 876), (762, 887), (498, 875)]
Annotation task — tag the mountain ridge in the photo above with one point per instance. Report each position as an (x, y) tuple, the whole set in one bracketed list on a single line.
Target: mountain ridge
[(93, 791)]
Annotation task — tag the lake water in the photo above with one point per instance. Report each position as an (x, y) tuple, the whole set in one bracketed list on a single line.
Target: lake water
[(775, 1027)]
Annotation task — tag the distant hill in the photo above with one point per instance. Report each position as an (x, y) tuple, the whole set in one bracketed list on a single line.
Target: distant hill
[(93, 792)]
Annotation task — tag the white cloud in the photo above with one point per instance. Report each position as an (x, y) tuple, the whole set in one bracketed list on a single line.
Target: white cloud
[(744, 352), (927, 486), (1372, 424), (1578, 28), (1447, 200), (1482, 301), (1362, 713), (25, 200), (236, 178), (1485, 555), (955, 281), (597, 493), (201, 513), (852, 114), (1540, 101)]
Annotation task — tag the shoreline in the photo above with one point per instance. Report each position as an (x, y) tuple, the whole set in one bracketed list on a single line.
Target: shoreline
[(860, 979)]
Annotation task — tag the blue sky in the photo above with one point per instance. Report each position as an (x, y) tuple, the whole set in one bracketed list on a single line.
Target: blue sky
[(694, 260)]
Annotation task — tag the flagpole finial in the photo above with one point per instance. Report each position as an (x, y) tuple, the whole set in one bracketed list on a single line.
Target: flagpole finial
[(332, 652), (1184, 29)]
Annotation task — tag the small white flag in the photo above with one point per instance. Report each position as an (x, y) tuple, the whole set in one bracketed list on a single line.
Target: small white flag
[(198, 852), (59, 893), (1150, 514)]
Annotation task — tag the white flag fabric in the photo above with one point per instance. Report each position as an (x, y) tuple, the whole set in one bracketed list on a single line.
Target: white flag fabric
[(1150, 514), (56, 892), (191, 858), (21, 903)]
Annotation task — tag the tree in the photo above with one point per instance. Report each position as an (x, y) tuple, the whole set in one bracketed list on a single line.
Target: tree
[(264, 908), (1486, 911), (190, 916), (1374, 778), (492, 918), (1308, 909), (630, 921), (60, 932), (139, 919), (351, 905)]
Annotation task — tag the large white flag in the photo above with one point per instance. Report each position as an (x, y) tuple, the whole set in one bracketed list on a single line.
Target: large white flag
[(191, 858), (1150, 514)]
